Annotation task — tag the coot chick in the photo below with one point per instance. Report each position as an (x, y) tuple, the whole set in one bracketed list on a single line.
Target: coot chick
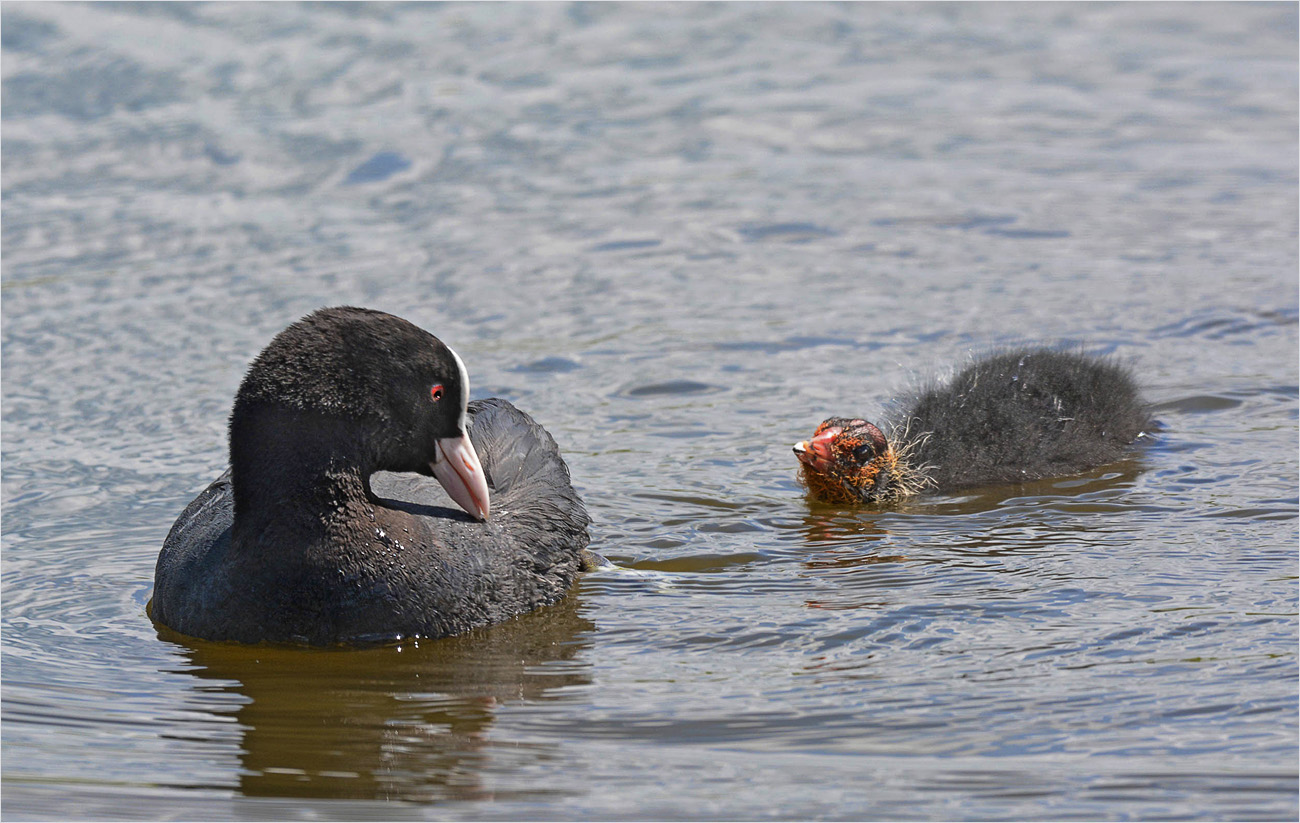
[(1010, 417), (310, 537)]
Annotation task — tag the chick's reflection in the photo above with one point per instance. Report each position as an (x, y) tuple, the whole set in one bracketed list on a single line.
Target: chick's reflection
[(407, 722)]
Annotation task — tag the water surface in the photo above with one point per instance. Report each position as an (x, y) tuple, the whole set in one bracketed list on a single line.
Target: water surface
[(679, 236)]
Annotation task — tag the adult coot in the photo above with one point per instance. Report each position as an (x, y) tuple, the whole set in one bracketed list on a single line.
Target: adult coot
[(328, 527), (1014, 416)]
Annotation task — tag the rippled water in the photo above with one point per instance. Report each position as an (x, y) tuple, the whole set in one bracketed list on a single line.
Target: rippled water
[(679, 236)]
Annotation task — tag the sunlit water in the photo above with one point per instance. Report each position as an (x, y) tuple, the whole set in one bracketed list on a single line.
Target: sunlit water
[(679, 236)]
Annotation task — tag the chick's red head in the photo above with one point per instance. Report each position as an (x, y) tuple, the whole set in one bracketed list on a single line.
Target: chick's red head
[(847, 460)]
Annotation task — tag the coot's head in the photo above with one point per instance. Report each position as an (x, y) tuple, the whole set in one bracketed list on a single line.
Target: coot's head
[(847, 461), (356, 390)]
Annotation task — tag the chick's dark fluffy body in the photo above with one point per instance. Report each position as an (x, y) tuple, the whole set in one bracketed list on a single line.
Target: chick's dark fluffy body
[(1025, 415), (1013, 416)]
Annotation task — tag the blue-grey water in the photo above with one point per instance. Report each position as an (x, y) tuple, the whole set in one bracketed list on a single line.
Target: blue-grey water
[(679, 236)]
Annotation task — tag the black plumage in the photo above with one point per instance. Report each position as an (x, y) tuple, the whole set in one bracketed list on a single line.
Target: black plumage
[(328, 529), (1013, 416)]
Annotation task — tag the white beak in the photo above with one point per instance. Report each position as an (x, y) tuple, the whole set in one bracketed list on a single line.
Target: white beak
[(460, 473)]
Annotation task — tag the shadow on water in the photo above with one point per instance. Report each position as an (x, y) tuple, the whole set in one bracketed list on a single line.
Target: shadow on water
[(408, 722)]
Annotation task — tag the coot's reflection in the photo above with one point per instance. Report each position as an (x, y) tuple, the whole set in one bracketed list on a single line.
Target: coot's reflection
[(407, 722)]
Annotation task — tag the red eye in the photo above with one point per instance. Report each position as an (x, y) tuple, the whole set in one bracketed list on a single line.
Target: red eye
[(436, 392)]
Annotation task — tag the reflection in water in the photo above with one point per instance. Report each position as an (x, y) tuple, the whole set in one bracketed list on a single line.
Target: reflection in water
[(407, 722), (858, 547), (676, 236), (831, 531), (836, 522)]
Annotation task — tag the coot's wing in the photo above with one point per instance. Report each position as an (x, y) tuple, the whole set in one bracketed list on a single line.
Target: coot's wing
[(205, 521), (533, 499), (196, 542), (519, 456), (469, 572), (528, 477)]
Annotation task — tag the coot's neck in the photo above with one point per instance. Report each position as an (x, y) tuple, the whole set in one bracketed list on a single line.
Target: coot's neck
[(296, 481)]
